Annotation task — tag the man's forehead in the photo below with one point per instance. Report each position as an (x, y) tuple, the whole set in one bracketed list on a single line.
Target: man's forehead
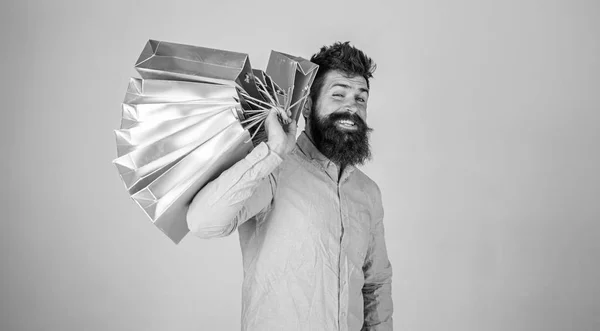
[(334, 78)]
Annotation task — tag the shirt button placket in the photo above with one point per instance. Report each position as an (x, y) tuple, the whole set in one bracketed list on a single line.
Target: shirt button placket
[(343, 292), (343, 271)]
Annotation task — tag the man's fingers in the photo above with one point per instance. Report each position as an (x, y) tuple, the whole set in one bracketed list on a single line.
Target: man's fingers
[(285, 116), (278, 114), (272, 119), (292, 128)]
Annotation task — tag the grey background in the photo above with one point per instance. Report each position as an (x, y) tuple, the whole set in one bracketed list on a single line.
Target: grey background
[(487, 125)]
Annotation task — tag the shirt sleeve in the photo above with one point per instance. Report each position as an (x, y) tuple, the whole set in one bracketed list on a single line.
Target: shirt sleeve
[(238, 194), (377, 290)]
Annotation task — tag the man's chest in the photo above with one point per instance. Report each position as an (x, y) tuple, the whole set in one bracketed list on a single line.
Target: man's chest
[(314, 213)]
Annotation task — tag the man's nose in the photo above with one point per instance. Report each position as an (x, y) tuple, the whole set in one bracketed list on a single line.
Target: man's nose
[(351, 107)]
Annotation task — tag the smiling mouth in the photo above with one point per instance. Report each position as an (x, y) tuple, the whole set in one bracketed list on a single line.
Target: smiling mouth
[(346, 124)]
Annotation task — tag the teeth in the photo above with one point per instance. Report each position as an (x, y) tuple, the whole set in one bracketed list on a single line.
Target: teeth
[(346, 122)]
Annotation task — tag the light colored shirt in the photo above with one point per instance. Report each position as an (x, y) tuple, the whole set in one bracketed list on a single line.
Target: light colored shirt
[(313, 246)]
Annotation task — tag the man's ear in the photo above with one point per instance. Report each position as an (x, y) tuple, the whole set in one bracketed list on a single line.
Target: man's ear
[(308, 105)]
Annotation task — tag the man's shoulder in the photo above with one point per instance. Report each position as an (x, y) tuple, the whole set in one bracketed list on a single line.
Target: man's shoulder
[(362, 176), (294, 161), (366, 182), (294, 156)]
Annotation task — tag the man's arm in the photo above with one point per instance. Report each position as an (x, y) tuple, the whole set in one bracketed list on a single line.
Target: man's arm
[(246, 188), (237, 195), (377, 291)]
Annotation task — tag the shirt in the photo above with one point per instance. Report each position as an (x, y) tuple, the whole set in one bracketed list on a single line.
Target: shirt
[(313, 247)]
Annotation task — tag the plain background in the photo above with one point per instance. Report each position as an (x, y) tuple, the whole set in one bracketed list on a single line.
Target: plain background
[(486, 144)]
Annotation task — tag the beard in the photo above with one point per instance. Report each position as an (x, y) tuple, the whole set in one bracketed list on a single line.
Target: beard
[(343, 147)]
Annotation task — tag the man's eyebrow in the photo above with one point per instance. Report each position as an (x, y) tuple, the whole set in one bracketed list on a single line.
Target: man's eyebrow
[(346, 86)]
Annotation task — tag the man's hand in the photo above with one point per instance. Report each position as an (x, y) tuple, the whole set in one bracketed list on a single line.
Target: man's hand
[(281, 131)]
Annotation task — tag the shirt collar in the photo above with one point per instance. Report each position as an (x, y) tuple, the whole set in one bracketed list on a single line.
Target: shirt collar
[(309, 149)]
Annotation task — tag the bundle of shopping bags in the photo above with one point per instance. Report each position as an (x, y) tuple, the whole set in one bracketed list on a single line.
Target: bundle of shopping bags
[(193, 113)]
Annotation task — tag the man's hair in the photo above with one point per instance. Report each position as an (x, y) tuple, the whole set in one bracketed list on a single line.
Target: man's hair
[(340, 57)]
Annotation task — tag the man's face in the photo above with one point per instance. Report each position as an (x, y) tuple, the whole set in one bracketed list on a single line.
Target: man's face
[(337, 121)]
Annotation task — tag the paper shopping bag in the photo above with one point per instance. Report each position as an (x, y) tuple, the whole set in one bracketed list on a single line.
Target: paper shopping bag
[(172, 61), (145, 162), (295, 73), (167, 198)]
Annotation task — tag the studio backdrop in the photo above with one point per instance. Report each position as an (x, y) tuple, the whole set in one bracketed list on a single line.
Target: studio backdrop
[(486, 118)]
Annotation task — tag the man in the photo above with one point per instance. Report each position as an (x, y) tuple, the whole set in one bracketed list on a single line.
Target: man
[(310, 223)]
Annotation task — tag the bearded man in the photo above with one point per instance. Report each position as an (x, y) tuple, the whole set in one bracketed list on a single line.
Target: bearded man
[(310, 223)]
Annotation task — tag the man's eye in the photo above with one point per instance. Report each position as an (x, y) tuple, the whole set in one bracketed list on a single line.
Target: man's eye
[(338, 95), (361, 99)]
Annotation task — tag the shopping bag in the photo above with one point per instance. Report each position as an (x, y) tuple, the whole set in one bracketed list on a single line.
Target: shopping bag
[(149, 158), (166, 200), (195, 112), (172, 61), (295, 73)]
